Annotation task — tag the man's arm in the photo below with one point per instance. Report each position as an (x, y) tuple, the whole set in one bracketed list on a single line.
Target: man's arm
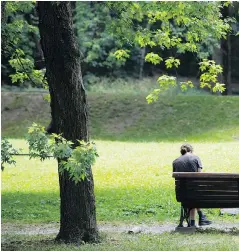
[(199, 165)]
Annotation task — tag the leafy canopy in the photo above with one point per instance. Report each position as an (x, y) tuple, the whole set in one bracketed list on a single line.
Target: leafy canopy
[(181, 26), (19, 45)]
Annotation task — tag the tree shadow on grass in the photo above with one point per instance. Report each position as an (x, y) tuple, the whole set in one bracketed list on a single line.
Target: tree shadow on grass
[(30, 207), (26, 244), (112, 204)]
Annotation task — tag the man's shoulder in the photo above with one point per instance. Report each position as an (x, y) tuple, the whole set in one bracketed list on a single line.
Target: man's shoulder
[(176, 160), (194, 156), (180, 158)]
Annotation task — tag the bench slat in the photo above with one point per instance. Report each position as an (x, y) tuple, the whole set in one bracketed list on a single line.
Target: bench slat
[(207, 197), (208, 182), (211, 204), (205, 175), (207, 193), (207, 187)]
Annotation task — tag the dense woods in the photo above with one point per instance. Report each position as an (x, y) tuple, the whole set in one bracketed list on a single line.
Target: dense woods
[(98, 39)]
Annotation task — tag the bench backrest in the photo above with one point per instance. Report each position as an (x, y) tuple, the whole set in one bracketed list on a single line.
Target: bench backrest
[(207, 190)]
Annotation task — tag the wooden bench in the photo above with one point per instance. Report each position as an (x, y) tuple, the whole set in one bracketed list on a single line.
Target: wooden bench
[(205, 190)]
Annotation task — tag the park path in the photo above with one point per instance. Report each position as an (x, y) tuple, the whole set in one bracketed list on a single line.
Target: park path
[(53, 228)]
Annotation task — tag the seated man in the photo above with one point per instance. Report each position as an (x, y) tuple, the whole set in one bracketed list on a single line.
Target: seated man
[(188, 162)]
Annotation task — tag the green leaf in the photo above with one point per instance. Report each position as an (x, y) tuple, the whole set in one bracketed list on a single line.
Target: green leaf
[(153, 58), (170, 62), (7, 151), (119, 54)]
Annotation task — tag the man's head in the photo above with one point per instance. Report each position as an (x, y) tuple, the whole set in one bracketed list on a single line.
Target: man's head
[(186, 148)]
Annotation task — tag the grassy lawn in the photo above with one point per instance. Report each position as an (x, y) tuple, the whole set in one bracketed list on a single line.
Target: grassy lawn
[(133, 182), (213, 241), (137, 144)]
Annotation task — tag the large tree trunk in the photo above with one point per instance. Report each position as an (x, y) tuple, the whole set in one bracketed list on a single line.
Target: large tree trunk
[(69, 116)]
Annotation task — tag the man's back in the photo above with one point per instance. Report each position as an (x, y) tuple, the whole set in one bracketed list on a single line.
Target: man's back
[(187, 163)]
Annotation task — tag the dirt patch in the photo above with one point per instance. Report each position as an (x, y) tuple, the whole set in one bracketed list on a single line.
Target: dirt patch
[(21, 106), (53, 228)]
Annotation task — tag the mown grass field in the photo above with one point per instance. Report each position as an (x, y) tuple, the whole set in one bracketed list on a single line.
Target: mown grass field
[(133, 182), (137, 144)]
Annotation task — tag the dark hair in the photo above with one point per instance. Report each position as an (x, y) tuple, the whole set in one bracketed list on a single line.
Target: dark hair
[(185, 148)]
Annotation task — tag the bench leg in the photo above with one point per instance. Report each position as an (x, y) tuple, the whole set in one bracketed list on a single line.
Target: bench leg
[(181, 218), (185, 213)]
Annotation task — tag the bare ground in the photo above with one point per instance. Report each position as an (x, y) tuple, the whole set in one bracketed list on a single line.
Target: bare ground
[(53, 228)]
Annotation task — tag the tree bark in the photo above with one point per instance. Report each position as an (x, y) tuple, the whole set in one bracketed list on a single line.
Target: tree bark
[(38, 56), (229, 65), (141, 62), (226, 48), (69, 116), (3, 24), (142, 57)]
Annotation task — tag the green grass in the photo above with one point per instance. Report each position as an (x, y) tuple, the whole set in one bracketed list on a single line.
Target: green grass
[(213, 241), (127, 117), (137, 86), (137, 144), (133, 182), (171, 119)]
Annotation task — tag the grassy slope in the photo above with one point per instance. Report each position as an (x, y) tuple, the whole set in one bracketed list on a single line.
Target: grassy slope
[(127, 117), (178, 118)]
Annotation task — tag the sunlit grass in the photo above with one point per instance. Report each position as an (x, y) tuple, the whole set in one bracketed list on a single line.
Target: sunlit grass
[(213, 241), (133, 182)]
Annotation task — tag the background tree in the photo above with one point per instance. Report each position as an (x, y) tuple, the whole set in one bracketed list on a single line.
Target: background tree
[(20, 44), (97, 43), (229, 53), (69, 116), (103, 28), (178, 27)]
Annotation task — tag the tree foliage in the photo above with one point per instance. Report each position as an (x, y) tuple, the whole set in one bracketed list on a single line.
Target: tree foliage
[(96, 43), (7, 152), (76, 160), (19, 35), (110, 35), (25, 70), (15, 28), (181, 26)]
